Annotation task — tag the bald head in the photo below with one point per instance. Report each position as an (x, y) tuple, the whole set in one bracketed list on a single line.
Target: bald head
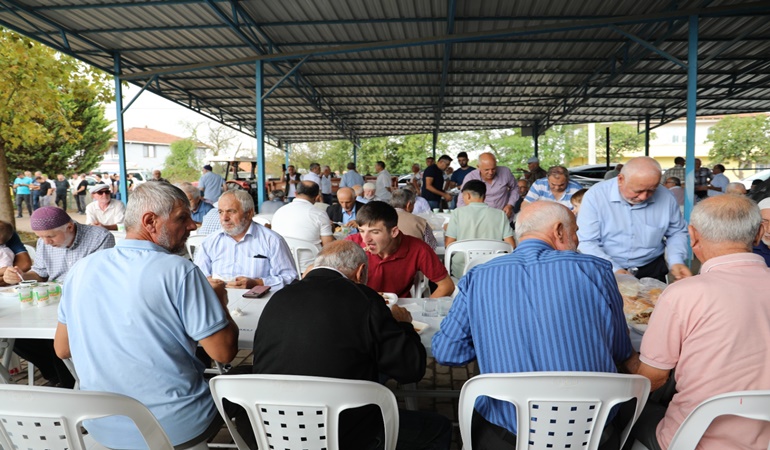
[(550, 222), (346, 198), (487, 166), (639, 179)]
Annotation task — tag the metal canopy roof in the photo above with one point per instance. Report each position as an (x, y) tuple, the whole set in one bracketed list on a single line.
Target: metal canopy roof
[(362, 68)]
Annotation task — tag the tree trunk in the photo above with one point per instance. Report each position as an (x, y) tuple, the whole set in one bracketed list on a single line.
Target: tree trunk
[(6, 202)]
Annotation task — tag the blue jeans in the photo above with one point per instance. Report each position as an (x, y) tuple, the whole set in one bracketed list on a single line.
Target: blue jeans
[(434, 204), (35, 200)]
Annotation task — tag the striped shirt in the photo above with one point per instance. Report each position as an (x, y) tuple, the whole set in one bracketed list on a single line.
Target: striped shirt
[(54, 262), (261, 253), (537, 309), (540, 190)]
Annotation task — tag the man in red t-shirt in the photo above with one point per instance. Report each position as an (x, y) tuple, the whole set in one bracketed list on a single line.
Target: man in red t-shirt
[(395, 258)]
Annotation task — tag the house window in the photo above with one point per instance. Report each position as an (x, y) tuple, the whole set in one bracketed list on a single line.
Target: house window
[(149, 151)]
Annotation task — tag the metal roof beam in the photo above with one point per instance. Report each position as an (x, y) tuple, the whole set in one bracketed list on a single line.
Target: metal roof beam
[(651, 47), (450, 29)]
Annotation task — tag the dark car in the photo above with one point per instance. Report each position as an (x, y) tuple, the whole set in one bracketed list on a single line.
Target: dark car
[(589, 174)]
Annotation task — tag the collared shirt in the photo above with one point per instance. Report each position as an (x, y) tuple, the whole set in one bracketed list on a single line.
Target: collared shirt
[(676, 171), (714, 329), (311, 176), (363, 200), (210, 223), (140, 339), (300, 220), (383, 182), (537, 309), (201, 211), (541, 190), (476, 221), (396, 272), (113, 215), (502, 191), (22, 190), (351, 178), (721, 181), (631, 235), (760, 249), (211, 184), (421, 206), (347, 217), (55, 262), (261, 253), (326, 184), (416, 226)]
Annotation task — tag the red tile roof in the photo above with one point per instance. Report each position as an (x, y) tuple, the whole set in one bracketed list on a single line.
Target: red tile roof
[(147, 136)]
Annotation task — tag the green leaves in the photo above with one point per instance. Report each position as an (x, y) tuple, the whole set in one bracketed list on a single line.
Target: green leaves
[(745, 140)]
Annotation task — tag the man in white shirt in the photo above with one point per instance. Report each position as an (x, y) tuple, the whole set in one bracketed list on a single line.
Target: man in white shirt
[(104, 211), (326, 184), (384, 183), (719, 181), (301, 220), (314, 174)]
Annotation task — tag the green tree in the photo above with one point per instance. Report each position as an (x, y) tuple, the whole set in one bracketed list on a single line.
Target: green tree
[(745, 140), (624, 139), (182, 163)]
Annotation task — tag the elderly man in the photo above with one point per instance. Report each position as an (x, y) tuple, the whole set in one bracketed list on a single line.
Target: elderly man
[(245, 253), (210, 184), (476, 220), (395, 258), (556, 187), (291, 179), (502, 190), (408, 223), (719, 181), (61, 243), (104, 211), (433, 183), (674, 185), (141, 340), (275, 202), (614, 172), (367, 192), (735, 188), (382, 186), (351, 177), (527, 288), (761, 248), (344, 212), (523, 187), (534, 172), (326, 185), (713, 329), (626, 219), (198, 208), (335, 326), (314, 174), (156, 176)]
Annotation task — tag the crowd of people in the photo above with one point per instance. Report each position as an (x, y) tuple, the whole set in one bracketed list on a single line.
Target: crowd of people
[(552, 304)]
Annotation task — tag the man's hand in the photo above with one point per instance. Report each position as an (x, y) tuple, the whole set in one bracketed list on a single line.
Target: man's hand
[(680, 271), (11, 275), (508, 210), (352, 224), (401, 314), (245, 283), (219, 289), (622, 272), (447, 197)]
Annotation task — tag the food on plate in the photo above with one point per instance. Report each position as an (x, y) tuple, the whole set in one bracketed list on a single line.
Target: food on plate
[(338, 229), (639, 297)]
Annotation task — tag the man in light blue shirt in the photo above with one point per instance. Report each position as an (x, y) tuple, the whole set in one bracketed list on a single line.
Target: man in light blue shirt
[(556, 187), (140, 341), (22, 184), (351, 177), (243, 253), (626, 219), (210, 184)]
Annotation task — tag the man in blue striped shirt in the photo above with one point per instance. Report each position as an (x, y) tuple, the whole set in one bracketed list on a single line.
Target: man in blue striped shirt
[(541, 308), (556, 187)]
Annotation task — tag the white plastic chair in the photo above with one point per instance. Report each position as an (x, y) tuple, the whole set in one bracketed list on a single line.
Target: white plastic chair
[(193, 242), (481, 260), (301, 249), (419, 286), (40, 418), (474, 248), (749, 404), (32, 252), (288, 411), (262, 219), (555, 409)]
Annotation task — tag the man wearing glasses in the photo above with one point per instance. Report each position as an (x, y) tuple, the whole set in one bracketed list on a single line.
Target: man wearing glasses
[(104, 211)]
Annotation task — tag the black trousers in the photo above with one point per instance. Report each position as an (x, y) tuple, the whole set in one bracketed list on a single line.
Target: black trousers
[(40, 352), (63, 199), (656, 268)]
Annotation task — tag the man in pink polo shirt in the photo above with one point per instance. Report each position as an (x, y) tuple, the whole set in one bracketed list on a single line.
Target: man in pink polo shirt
[(395, 258), (713, 328)]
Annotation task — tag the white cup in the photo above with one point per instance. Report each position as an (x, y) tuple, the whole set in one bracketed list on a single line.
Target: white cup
[(122, 227), (430, 307)]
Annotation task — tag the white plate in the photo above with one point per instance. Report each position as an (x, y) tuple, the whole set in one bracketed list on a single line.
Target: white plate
[(638, 327), (390, 299), (420, 327)]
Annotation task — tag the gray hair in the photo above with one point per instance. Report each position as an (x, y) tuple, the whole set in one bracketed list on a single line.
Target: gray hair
[(345, 256), (188, 188), (159, 198), (542, 218), (277, 194), (735, 188), (719, 220), (558, 170), (314, 165), (401, 197), (243, 197), (369, 186)]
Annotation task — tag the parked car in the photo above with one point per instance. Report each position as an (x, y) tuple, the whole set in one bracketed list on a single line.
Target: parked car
[(763, 175), (589, 174)]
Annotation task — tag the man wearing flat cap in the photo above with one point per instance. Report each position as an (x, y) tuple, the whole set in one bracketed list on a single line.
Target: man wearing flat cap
[(535, 172), (210, 184), (104, 211), (61, 243)]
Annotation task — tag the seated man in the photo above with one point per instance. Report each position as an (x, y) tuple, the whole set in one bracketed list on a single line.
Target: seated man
[(367, 193), (344, 212), (542, 290), (476, 220), (335, 327), (713, 328), (198, 208), (408, 223), (556, 187), (61, 243), (395, 258), (300, 220), (243, 252), (275, 203), (104, 211), (141, 340), (421, 206)]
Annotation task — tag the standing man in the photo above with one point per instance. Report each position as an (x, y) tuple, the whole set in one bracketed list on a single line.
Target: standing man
[(22, 186), (326, 185), (80, 194), (674, 185), (35, 188), (344, 212), (314, 174), (535, 172), (713, 329), (556, 187), (384, 183), (156, 176), (62, 187), (163, 309), (517, 313), (719, 181), (46, 191), (291, 179), (415, 180), (210, 184), (351, 177), (676, 171), (631, 220), (502, 190), (702, 180), (458, 176), (104, 211), (433, 183)]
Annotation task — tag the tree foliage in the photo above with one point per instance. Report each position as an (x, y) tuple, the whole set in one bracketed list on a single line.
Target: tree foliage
[(745, 140), (624, 139), (182, 162)]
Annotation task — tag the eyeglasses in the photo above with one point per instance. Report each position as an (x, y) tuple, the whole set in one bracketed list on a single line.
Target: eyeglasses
[(102, 193)]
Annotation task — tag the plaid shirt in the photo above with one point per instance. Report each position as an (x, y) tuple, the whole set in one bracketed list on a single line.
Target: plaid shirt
[(55, 262), (676, 171)]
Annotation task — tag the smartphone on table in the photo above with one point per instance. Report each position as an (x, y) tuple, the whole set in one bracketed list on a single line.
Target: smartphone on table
[(257, 292)]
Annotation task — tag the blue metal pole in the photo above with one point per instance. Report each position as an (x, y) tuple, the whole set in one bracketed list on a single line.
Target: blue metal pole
[(260, 132), (122, 187), (692, 84)]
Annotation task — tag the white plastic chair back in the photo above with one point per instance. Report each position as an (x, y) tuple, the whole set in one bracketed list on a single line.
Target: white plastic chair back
[(302, 251), (32, 252), (419, 286), (193, 242), (40, 418), (472, 249), (481, 260), (300, 412), (263, 219), (555, 409)]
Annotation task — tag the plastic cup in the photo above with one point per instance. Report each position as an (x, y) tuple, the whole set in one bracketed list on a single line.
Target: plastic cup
[(430, 307), (40, 295), (435, 210), (25, 296), (121, 227), (444, 305)]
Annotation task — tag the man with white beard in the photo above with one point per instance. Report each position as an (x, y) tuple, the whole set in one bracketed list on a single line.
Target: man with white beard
[(762, 248)]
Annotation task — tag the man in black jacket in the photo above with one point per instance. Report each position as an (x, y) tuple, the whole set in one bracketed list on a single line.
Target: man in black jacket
[(345, 211)]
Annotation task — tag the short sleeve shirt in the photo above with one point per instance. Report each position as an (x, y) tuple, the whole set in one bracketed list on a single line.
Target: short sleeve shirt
[(437, 175)]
